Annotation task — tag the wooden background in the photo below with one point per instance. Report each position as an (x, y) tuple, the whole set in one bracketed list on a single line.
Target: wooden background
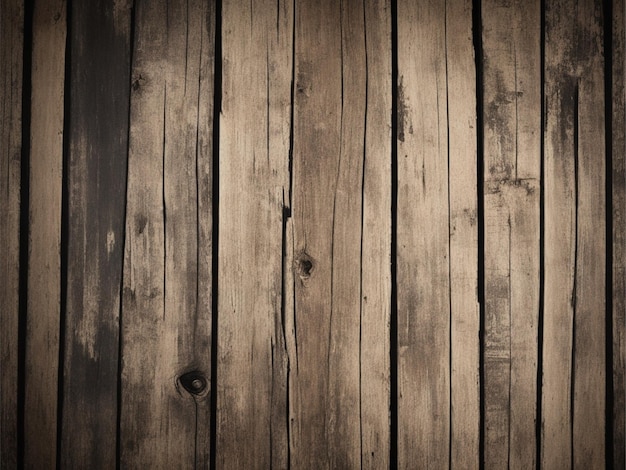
[(312, 234)]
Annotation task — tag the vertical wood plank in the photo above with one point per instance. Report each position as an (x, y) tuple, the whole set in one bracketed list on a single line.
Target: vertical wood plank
[(512, 142), (254, 192), (44, 294), (98, 143), (11, 73), (376, 239), (574, 323), (463, 234), (619, 236), (423, 256), (166, 310)]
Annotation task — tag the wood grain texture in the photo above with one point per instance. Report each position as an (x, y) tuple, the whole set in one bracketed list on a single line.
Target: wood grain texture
[(254, 192), (166, 311), (11, 73), (512, 171), (573, 407), (618, 151), (44, 275), (463, 236)]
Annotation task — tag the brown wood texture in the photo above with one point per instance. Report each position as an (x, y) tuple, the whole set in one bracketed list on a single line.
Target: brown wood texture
[(166, 306), (44, 235), (11, 86), (573, 379), (512, 166)]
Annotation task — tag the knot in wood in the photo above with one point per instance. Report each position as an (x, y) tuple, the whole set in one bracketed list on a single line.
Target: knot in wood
[(304, 265), (194, 382)]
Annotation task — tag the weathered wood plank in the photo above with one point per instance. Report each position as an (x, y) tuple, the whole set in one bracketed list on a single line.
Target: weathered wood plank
[(44, 293), (11, 73), (98, 143), (376, 239), (166, 314), (463, 233), (574, 323), (619, 235), (254, 191), (423, 230), (512, 171)]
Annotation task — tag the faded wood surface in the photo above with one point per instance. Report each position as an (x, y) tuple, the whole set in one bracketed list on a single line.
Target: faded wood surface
[(618, 174), (573, 379), (253, 193), (512, 166), (166, 308), (44, 240), (99, 46), (11, 73)]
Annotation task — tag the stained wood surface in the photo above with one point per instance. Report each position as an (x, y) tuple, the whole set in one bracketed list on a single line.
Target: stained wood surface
[(573, 400), (512, 171), (44, 236), (11, 87), (166, 306)]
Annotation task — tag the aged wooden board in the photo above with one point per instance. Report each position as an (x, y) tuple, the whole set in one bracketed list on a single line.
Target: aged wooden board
[(11, 73), (512, 167), (253, 196), (573, 393), (166, 305), (44, 276)]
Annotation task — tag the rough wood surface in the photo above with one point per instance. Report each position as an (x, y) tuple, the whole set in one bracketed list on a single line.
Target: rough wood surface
[(512, 167), (44, 276), (619, 236), (253, 195), (166, 314), (573, 402), (11, 72)]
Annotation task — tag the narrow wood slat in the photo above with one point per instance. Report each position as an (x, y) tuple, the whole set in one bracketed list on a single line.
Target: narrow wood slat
[(254, 192), (512, 167), (619, 236), (11, 73), (44, 293), (98, 129), (573, 402), (166, 311), (463, 233)]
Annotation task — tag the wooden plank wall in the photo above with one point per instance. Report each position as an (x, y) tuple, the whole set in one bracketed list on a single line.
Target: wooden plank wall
[(312, 234)]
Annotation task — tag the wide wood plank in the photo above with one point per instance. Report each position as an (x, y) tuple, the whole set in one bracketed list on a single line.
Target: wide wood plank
[(573, 401), (254, 198), (618, 150), (44, 275), (512, 167), (166, 312), (463, 233), (11, 73), (98, 129)]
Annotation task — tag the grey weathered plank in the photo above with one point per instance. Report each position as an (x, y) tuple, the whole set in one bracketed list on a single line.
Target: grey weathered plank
[(573, 402), (11, 72), (619, 236), (512, 170), (423, 230), (463, 233), (166, 314), (44, 293), (98, 128), (255, 126)]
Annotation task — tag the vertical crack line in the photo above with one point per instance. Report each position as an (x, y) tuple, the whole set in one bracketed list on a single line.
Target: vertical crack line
[(516, 111), (120, 344), (163, 197), (65, 226), (217, 108), (292, 102), (393, 350), (574, 300), (480, 209), (283, 315), (24, 225), (540, 319), (508, 458), (197, 169), (608, 142), (195, 436), (186, 46)]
